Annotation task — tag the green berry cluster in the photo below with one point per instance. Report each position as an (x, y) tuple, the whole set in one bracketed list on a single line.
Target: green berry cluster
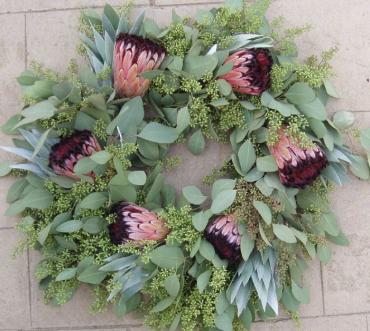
[(199, 113), (175, 41), (123, 152), (179, 221)]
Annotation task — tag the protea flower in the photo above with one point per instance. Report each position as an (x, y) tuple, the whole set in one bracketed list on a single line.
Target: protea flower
[(224, 235), (135, 223), (298, 166), (251, 71), (65, 154), (132, 56)]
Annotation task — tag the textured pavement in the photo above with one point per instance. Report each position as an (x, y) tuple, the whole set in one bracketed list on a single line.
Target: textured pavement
[(45, 30)]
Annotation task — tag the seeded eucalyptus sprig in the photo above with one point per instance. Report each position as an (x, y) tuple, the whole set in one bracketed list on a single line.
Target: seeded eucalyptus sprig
[(93, 159)]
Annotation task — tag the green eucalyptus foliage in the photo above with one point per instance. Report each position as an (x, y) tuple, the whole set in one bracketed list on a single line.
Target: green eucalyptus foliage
[(186, 283)]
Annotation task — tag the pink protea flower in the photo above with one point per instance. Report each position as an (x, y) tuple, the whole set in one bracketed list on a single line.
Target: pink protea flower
[(132, 56), (298, 166), (135, 223), (65, 154), (251, 71), (224, 235)]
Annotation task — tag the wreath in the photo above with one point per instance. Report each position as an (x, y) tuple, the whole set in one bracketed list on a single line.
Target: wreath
[(93, 146)]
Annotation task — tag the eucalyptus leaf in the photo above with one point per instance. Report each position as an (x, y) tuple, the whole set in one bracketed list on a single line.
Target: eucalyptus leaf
[(284, 233), (196, 142), (92, 275), (207, 250), (66, 274), (343, 119), (323, 253), (193, 195), (167, 257), (200, 221), (159, 133), (365, 138), (101, 157), (94, 200), (314, 109), (360, 167), (70, 226), (172, 285), (199, 65), (223, 200), (330, 89), (162, 305), (94, 224), (43, 234), (203, 280), (246, 156), (137, 177), (224, 87), (224, 322), (222, 185), (264, 210), (183, 119), (266, 164), (38, 199), (282, 107), (300, 293), (300, 93), (246, 247)]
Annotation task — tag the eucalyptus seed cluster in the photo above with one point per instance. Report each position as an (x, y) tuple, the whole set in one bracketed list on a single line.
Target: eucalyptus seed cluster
[(175, 40), (123, 152), (179, 221)]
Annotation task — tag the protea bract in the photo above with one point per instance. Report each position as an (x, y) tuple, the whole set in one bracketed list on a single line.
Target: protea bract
[(298, 166), (224, 235), (135, 223), (68, 151), (134, 55), (251, 71)]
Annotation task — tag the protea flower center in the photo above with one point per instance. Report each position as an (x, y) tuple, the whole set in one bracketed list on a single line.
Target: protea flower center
[(132, 56), (251, 71), (224, 235), (65, 154), (135, 223), (298, 166)]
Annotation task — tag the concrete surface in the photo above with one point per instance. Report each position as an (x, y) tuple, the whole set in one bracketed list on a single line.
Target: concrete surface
[(44, 30)]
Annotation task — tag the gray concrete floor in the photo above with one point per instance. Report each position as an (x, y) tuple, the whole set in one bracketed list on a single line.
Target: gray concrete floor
[(45, 30)]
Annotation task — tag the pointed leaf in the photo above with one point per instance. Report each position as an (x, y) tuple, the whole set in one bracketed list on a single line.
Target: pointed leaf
[(264, 211), (284, 233)]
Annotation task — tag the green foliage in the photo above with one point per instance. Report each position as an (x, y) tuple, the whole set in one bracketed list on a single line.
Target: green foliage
[(123, 152), (294, 126), (285, 38), (279, 74), (227, 22), (199, 112), (245, 211), (187, 284), (316, 71), (179, 221), (231, 117), (100, 303), (195, 309), (175, 40), (100, 129), (165, 84)]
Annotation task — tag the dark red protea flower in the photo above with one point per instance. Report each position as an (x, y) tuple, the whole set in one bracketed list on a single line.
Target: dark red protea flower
[(135, 223), (251, 71), (224, 235), (65, 154), (298, 166), (132, 56)]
